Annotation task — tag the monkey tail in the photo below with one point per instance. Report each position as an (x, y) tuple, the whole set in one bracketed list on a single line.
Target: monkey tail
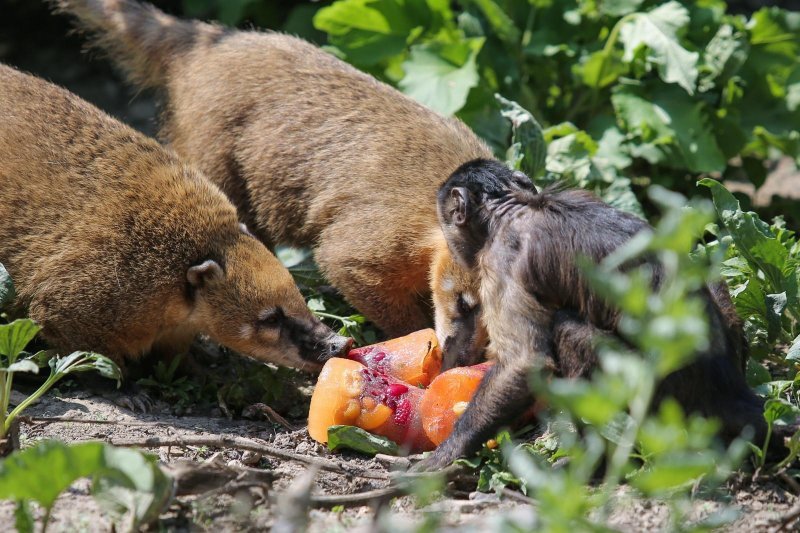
[(144, 41)]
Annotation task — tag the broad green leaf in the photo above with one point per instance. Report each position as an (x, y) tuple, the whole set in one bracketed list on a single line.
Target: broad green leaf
[(658, 30), (600, 70), (756, 373), (85, 362), (440, 75), (24, 365), (794, 350), (529, 149), (674, 471), (674, 130), (14, 337), (357, 439), (753, 237), (133, 487), (618, 8), (7, 292), (367, 31), (502, 25), (723, 57), (775, 409)]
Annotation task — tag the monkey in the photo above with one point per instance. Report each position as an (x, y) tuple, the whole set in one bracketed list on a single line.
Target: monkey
[(541, 315), (117, 246), (309, 149)]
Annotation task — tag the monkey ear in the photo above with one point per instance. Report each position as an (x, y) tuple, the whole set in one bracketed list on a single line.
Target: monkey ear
[(460, 205), (207, 271)]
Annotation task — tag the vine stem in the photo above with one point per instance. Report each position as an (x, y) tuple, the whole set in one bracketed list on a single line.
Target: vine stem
[(4, 378)]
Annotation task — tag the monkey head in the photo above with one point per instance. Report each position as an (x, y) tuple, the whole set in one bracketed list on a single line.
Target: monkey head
[(250, 303), (464, 202)]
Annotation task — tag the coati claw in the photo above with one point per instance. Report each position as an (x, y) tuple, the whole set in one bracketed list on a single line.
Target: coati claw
[(132, 399)]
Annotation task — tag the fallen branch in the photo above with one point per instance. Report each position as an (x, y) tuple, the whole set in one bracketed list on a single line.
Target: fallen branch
[(785, 522), (242, 443), (64, 420), (359, 498)]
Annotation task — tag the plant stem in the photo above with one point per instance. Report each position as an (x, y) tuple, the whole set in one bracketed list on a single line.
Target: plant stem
[(46, 518), (30, 399), (3, 402), (639, 408), (328, 315)]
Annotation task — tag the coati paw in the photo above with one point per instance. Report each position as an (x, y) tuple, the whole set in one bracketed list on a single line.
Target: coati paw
[(137, 401)]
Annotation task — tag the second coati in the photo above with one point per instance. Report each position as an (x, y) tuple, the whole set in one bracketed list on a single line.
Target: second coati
[(118, 247), (312, 151), (541, 314)]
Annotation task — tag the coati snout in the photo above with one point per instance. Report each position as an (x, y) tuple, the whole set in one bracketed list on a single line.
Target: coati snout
[(252, 305)]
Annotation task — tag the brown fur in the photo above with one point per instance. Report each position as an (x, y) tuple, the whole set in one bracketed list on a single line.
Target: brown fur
[(312, 151), (542, 315), (100, 228)]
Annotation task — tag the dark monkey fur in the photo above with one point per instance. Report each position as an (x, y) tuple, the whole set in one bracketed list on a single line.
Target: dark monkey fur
[(540, 313), (311, 151)]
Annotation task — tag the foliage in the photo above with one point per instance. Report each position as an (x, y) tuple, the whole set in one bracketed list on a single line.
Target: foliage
[(655, 91), (357, 439), (14, 337), (127, 483)]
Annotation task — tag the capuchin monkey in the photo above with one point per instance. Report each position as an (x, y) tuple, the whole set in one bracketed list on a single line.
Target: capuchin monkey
[(541, 315)]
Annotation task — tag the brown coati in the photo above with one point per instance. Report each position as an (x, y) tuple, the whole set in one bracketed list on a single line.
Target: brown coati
[(541, 315), (312, 151), (116, 246)]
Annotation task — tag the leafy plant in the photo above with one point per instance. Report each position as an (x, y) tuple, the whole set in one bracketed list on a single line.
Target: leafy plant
[(655, 91), (14, 337), (357, 439), (125, 482)]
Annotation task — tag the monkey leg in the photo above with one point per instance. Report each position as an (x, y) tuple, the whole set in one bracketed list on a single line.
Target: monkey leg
[(387, 290), (501, 397), (573, 345)]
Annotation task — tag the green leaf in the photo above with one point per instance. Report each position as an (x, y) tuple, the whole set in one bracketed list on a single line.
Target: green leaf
[(440, 75), (367, 31), (14, 337), (7, 291), (44, 471), (502, 25), (132, 487), (600, 70), (658, 30), (25, 365), (674, 471), (794, 350), (723, 57), (753, 237), (674, 130), (529, 149), (359, 440), (85, 362), (618, 8), (776, 409)]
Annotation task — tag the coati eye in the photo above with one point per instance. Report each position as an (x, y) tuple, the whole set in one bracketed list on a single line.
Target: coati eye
[(464, 304), (271, 318)]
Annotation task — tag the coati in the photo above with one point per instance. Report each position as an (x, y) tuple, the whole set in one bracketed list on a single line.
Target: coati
[(540, 313), (118, 247), (312, 151)]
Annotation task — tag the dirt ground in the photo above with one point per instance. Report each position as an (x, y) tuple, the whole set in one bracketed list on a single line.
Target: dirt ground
[(79, 416)]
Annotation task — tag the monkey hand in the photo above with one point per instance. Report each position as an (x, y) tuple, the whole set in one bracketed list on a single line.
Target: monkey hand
[(440, 458)]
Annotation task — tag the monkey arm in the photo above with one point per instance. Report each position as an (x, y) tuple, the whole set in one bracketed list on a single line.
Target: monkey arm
[(502, 395)]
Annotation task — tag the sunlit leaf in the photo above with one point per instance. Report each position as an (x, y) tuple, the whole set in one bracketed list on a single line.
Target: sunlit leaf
[(354, 438)]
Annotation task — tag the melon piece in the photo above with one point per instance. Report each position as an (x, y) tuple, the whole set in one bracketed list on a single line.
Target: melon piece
[(446, 399), (347, 393), (414, 359)]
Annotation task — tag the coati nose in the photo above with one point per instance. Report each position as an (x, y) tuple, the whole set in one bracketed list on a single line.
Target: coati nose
[(339, 346)]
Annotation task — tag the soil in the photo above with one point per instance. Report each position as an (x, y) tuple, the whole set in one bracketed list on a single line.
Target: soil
[(760, 506)]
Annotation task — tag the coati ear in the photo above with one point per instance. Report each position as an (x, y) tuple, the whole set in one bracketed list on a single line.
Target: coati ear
[(243, 229), (207, 271), (460, 206)]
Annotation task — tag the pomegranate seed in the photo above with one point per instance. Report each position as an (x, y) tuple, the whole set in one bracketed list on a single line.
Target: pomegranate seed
[(403, 412), (397, 389)]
